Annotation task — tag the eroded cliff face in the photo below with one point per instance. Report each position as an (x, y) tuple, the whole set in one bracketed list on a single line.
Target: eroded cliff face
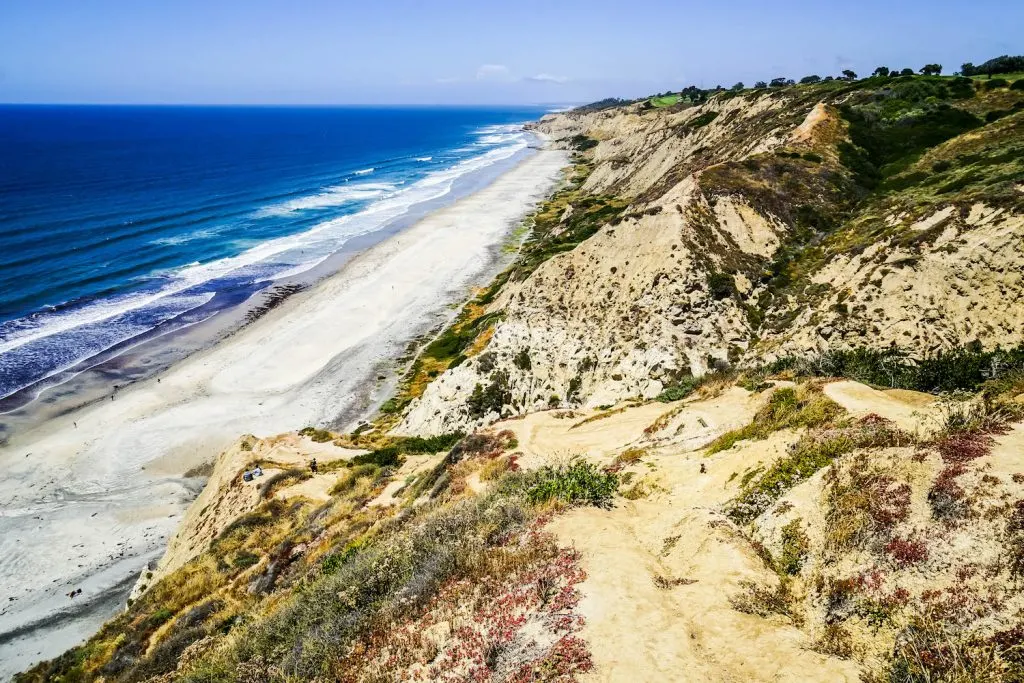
[(751, 231), (960, 282), (630, 309)]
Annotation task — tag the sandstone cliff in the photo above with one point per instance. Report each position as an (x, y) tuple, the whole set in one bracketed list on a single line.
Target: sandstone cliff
[(754, 227)]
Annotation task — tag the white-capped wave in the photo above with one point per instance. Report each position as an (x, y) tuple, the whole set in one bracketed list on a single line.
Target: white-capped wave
[(289, 254), (187, 237), (364, 171), (499, 128), (89, 341), (424, 158), (329, 198)]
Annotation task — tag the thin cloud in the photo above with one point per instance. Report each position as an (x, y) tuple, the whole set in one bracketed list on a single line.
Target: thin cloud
[(548, 78)]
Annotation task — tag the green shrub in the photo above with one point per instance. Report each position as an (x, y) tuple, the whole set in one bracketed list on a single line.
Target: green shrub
[(721, 285), (491, 398), (159, 617), (389, 456), (317, 435), (572, 394), (794, 550), (432, 444), (891, 135), (681, 389), (335, 561), (579, 483), (814, 450), (956, 369), (703, 120), (522, 359), (582, 143), (394, 405), (245, 559)]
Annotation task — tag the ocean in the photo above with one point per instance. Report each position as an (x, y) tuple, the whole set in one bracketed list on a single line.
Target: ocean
[(123, 224)]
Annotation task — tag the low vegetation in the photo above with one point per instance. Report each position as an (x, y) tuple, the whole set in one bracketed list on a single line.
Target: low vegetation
[(956, 369), (578, 483), (343, 591), (787, 408), (816, 449)]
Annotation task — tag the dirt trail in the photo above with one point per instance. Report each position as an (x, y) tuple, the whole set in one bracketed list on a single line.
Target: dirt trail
[(910, 410), (547, 435), (1007, 457), (661, 569)]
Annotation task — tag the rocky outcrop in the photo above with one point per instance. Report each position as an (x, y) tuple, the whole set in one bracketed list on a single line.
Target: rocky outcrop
[(957, 281)]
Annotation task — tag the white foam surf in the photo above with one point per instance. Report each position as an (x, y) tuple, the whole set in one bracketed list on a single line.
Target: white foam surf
[(284, 256), (330, 197)]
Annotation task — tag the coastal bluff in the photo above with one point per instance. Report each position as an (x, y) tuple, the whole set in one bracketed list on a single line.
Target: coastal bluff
[(745, 403)]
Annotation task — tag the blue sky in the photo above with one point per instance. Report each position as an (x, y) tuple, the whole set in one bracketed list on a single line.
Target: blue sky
[(461, 52)]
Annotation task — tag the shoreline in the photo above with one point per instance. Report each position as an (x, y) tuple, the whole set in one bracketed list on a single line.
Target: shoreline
[(93, 495), (143, 357)]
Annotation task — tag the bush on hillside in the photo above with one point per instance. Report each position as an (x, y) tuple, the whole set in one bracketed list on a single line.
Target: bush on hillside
[(787, 408), (579, 483), (957, 369), (721, 285), (581, 143), (485, 400), (703, 120)]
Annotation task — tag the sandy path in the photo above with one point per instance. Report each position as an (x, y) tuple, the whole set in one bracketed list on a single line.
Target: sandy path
[(80, 507), (543, 436), (910, 410), (639, 630)]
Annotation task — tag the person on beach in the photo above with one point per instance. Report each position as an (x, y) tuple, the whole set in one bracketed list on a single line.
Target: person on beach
[(258, 472), (312, 466)]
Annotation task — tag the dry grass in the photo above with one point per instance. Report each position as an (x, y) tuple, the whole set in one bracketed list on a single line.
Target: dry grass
[(763, 601), (663, 420), (629, 456), (494, 469), (863, 503), (601, 416)]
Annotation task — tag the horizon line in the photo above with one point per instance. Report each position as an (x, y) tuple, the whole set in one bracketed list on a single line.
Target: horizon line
[(287, 104)]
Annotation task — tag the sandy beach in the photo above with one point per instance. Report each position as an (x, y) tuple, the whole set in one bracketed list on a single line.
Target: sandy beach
[(88, 498)]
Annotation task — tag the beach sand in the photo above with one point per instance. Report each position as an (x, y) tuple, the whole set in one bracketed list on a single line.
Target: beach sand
[(90, 497)]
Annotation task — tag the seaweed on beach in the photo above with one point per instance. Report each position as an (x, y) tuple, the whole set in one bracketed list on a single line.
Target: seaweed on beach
[(273, 298)]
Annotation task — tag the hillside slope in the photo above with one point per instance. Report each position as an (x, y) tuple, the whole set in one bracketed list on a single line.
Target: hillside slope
[(881, 213)]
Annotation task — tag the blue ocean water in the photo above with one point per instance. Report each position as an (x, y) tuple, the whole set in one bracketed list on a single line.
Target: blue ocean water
[(115, 221)]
